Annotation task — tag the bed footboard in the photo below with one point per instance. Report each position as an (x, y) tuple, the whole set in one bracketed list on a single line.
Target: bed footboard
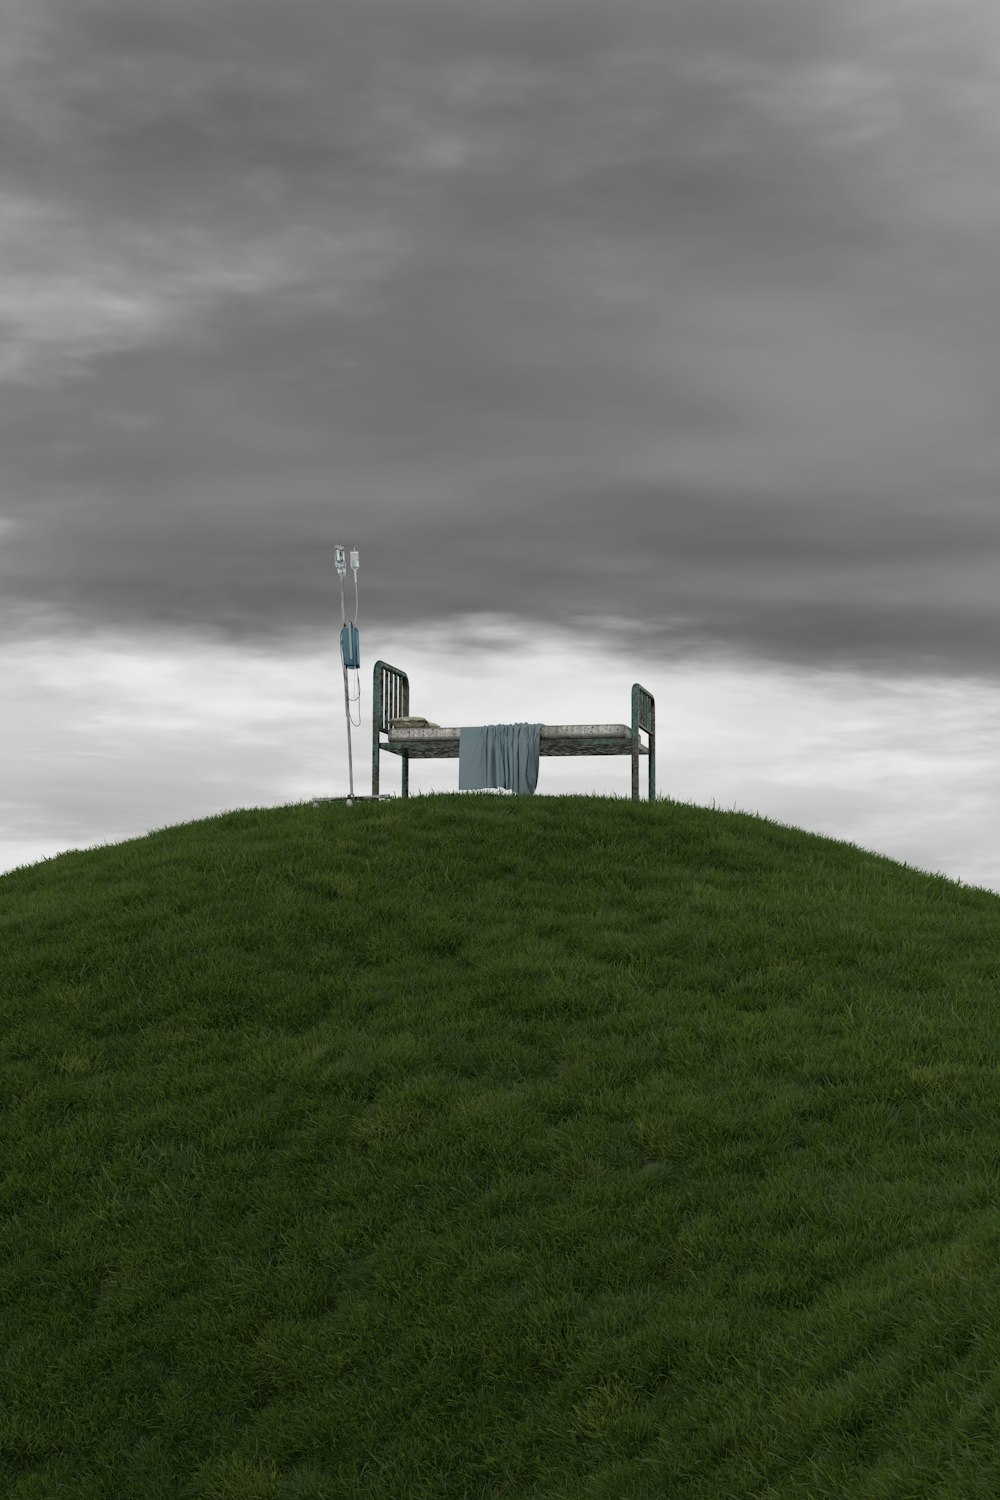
[(643, 717)]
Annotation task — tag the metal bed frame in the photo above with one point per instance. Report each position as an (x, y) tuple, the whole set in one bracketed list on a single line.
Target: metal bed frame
[(391, 700)]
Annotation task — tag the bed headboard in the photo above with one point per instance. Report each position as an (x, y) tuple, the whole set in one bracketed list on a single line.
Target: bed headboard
[(390, 697), (390, 700)]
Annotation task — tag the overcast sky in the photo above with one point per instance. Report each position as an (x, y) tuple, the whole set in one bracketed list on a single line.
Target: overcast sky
[(628, 340)]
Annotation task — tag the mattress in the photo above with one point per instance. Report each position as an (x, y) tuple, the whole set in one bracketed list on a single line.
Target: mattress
[(422, 740), (417, 734)]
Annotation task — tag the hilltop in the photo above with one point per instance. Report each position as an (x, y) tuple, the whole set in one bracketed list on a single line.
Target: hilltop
[(497, 1147)]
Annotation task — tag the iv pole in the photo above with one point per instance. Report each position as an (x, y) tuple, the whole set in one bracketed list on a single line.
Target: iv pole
[(350, 654)]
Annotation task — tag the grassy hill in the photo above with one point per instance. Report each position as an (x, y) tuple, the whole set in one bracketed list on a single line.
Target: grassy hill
[(475, 1147)]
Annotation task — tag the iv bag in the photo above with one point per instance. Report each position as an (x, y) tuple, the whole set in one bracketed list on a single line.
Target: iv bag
[(350, 647)]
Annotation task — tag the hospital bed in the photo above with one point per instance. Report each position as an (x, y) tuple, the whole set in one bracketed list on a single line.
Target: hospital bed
[(419, 739)]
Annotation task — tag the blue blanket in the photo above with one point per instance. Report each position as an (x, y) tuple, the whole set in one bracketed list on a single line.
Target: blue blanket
[(499, 755)]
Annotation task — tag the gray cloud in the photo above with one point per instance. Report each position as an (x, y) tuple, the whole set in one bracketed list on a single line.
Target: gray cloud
[(684, 313)]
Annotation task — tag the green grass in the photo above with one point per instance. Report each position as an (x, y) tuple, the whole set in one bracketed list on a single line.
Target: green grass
[(497, 1147)]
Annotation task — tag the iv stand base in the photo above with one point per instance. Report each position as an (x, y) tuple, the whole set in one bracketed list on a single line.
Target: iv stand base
[(357, 797)]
